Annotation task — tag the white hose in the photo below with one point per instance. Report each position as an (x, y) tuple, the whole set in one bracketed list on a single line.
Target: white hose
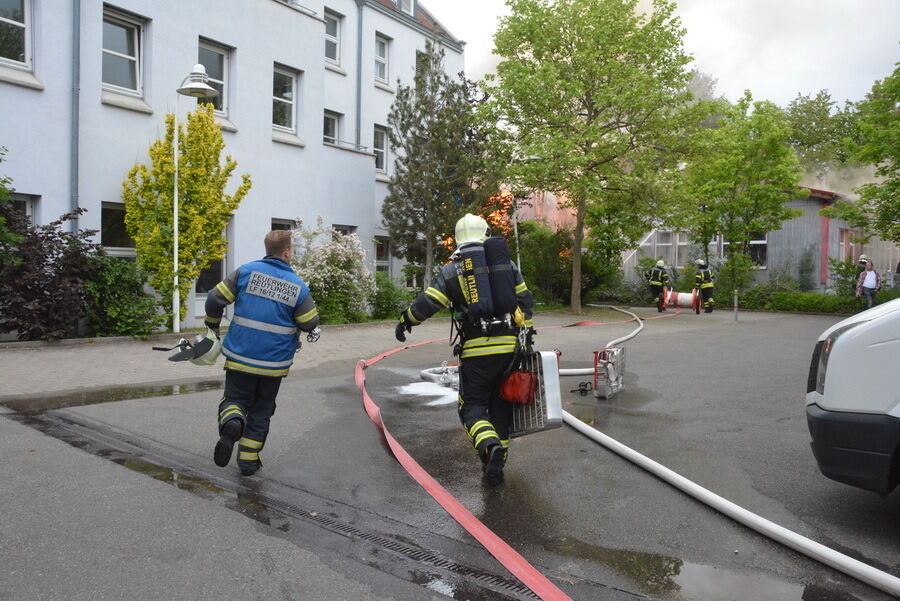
[(589, 371), (852, 567)]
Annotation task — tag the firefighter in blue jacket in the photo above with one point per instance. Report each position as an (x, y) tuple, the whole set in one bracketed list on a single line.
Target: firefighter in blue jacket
[(486, 350), (271, 305)]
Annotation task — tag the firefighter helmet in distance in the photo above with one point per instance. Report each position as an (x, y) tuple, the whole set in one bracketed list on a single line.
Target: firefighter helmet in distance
[(660, 263), (471, 228), (700, 262)]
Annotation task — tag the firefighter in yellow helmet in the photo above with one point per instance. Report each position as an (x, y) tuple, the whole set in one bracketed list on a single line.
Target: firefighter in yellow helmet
[(703, 281), (487, 342), (658, 280)]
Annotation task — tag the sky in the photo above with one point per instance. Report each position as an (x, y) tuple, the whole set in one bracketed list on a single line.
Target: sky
[(774, 48)]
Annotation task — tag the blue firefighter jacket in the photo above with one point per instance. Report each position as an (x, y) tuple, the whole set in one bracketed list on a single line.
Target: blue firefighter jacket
[(271, 305)]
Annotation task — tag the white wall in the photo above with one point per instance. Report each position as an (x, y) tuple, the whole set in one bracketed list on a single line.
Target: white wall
[(312, 179)]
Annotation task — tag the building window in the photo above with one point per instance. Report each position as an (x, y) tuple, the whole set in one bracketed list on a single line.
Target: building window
[(25, 204), (343, 230), (664, 247), (282, 224), (215, 58), (113, 233), (759, 249), (683, 249), (421, 63), (379, 147), (209, 277), (407, 6), (284, 99), (382, 46), (331, 132), (332, 38), (15, 32), (121, 52), (382, 254)]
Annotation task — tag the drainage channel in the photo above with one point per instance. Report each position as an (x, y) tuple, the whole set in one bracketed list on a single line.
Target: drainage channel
[(396, 553)]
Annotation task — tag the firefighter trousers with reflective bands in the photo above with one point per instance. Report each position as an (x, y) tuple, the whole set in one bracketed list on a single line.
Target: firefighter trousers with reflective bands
[(250, 398), (657, 293), (484, 415), (708, 301)]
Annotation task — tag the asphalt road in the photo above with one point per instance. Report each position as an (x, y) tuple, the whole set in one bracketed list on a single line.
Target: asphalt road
[(721, 403), (332, 516)]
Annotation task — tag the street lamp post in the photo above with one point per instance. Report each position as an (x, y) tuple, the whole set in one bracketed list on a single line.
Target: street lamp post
[(194, 85)]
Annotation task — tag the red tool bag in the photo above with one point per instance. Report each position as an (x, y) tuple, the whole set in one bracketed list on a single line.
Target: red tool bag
[(519, 387)]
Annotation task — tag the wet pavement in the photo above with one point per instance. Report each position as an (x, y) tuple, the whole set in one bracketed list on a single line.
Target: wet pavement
[(333, 516)]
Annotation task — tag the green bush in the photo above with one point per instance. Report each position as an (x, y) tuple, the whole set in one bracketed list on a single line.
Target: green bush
[(844, 275), (117, 303), (808, 302), (389, 298), (546, 261)]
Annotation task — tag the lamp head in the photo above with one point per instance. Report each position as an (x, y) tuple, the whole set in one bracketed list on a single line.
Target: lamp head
[(195, 85)]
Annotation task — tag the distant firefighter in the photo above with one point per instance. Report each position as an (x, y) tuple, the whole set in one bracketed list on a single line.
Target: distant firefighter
[(658, 279), (703, 281)]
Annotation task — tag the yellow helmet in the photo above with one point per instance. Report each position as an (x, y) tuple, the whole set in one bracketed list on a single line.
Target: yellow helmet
[(471, 228)]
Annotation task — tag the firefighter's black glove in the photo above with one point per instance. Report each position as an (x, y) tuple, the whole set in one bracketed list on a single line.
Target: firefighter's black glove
[(313, 335), (530, 333), (400, 331), (403, 326), (214, 327)]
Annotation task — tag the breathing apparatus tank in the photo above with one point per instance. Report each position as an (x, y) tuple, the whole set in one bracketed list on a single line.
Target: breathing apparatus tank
[(502, 277), (476, 284)]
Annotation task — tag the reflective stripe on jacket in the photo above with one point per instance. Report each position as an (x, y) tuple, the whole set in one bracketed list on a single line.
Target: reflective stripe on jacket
[(703, 279), (446, 291), (658, 277)]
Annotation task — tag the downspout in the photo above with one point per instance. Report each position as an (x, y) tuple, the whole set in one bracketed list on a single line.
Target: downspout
[(359, 41), (74, 111)]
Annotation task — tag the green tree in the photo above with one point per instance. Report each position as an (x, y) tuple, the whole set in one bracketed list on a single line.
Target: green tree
[(597, 92), (818, 131), (742, 179), (444, 166), (204, 208), (8, 237), (878, 143)]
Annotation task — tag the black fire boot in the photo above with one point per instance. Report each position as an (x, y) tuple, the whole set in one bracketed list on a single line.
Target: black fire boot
[(230, 434), (496, 457), (249, 468)]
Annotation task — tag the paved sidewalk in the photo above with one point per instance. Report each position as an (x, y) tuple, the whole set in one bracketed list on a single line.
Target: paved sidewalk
[(50, 368)]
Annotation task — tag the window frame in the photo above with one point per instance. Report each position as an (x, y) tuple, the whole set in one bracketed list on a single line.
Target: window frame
[(344, 230), (117, 17), (382, 265), (337, 127), (225, 51), (383, 60), (380, 152), (295, 86), (336, 39), (282, 224), (128, 252), (26, 24), (764, 241), (407, 6), (203, 272)]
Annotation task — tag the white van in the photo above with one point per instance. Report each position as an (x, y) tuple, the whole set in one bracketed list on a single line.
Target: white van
[(853, 399)]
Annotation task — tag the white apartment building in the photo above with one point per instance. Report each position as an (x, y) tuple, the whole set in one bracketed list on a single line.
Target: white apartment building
[(305, 92)]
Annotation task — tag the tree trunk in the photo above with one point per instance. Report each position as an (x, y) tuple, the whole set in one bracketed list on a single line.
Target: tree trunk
[(576, 256), (429, 260)]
